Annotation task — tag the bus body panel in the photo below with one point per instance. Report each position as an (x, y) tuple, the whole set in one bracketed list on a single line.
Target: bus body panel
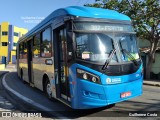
[(113, 92), (110, 94), (24, 67), (86, 94), (39, 70), (111, 80)]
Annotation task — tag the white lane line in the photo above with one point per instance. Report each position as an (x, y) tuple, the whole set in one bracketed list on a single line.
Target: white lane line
[(29, 100)]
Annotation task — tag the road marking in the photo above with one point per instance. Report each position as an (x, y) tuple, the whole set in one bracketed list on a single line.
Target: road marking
[(30, 101)]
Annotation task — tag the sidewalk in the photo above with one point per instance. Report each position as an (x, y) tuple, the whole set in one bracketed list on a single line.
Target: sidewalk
[(5, 104), (152, 82), (10, 68)]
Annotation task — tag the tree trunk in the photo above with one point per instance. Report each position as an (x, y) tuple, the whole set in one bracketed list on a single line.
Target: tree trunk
[(151, 58), (149, 66)]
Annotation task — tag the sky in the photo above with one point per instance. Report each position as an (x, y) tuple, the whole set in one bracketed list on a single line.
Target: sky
[(28, 13)]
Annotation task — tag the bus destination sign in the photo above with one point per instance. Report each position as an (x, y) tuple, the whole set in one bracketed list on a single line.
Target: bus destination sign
[(103, 27)]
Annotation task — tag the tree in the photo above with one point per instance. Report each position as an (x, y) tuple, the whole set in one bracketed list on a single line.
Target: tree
[(145, 15)]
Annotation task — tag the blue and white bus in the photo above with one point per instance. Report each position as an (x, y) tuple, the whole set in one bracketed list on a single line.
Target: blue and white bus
[(82, 56)]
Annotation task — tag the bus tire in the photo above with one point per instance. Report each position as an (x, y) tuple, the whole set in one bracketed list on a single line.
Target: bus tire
[(112, 105), (48, 90)]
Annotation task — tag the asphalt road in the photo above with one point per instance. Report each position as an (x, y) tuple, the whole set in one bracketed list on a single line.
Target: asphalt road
[(149, 103), (10, 103)]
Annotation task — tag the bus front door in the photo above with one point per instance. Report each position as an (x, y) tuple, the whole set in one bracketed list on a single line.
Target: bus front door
[(62, 85)]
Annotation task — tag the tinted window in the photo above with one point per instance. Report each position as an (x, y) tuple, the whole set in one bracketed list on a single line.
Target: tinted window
[(16, 34), (24, 50), (36, 45), (14, 44), (20, 50), (4, 43), (46, 46), (4, 33)]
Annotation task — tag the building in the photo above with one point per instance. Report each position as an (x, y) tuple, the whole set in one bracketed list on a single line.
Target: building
[(9, 35), (144, 46)]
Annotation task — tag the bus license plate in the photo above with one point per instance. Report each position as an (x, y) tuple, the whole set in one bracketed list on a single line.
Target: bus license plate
[(125, 94)]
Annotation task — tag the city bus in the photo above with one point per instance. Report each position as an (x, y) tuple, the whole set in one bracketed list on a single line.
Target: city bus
[(85, 57)]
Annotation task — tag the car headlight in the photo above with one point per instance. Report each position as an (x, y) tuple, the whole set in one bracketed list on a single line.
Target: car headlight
[(88, 76)]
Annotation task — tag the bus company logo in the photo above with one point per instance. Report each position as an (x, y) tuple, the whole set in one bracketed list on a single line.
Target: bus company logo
[(108, 80), (113, 81), (116, 80)]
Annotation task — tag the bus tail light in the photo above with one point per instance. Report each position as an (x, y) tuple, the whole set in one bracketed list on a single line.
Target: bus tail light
[(88, 76)]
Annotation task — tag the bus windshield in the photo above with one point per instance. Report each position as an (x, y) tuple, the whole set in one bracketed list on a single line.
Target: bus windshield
[(95, 41), (98, 46), (94, 46), (127, 42)]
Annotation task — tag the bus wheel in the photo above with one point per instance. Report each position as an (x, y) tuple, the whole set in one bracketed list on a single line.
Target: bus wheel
[(48, 89), (112, 105)]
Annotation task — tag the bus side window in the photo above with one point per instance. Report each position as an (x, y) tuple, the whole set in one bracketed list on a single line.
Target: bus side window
[(21, 51), (46, 46), (24, 51), (36, 46)]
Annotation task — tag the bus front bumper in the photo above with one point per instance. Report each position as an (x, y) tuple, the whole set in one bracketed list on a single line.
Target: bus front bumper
[(91, 95)]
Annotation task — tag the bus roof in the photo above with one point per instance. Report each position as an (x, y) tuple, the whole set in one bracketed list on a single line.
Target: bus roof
[(95, 13), (80, 11)]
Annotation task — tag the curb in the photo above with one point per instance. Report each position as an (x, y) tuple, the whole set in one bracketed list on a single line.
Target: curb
[(151, 84), (29, 101)]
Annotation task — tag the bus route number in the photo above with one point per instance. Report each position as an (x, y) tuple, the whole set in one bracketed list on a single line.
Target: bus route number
[(106, 28)]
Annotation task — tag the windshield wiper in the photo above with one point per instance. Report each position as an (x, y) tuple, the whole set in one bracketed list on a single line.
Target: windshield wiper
[(128, 54), (109, 59), (131, 56)]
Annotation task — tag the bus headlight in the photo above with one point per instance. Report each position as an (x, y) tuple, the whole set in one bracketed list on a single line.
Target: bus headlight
[(94, 79), (85, 76), (88, 76)]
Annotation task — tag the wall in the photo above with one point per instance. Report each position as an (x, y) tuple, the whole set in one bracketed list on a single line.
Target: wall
[(155, 70), (10, 50), (4, 49), (156, 67)]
